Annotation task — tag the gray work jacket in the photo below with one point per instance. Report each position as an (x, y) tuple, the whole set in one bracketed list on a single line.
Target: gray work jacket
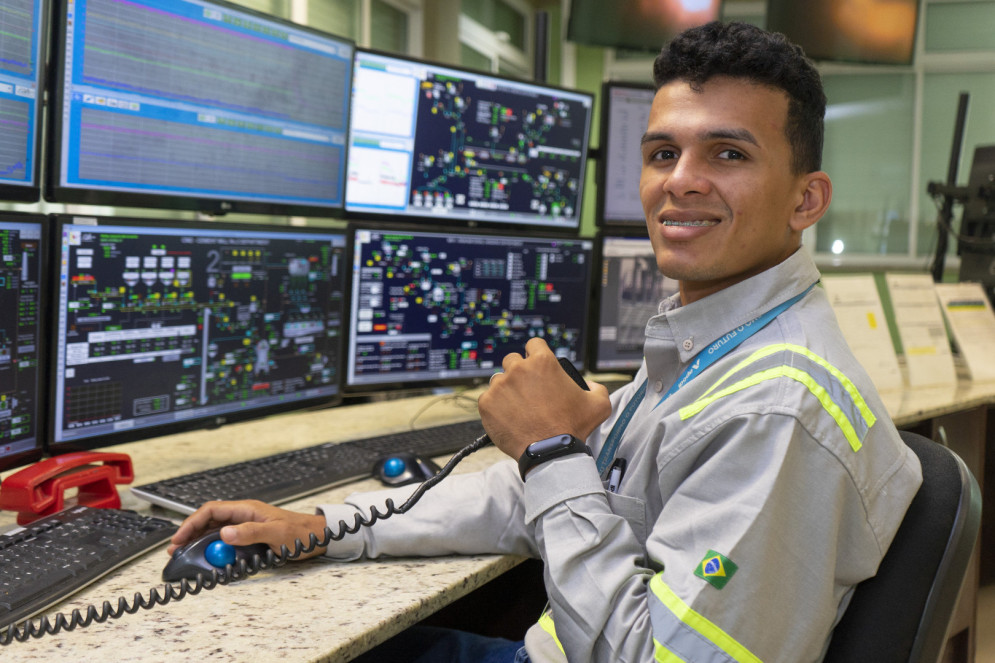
[(756, 497)]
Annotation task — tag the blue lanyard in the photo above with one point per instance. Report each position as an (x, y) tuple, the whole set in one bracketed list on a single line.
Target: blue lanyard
[(718, 349)]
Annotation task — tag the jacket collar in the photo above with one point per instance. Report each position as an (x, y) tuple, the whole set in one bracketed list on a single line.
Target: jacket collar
[(697, 325)]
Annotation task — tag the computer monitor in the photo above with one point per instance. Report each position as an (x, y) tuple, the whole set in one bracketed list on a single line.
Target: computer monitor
[(628, 293), (444, 308), (625, 112), (431, 141), (22, 72), (161, 327), (22, 340), (870, 31), (199, 105), (977, 242), (636, 24)]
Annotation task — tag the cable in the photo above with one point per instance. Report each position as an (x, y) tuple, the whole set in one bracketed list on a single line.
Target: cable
[(960, 237), (43, 626)]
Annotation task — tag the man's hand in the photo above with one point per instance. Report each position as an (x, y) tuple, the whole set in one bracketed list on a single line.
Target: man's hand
[(250, 521), (534, 399)]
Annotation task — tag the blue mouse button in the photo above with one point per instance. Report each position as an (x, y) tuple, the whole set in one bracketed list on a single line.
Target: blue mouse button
[(207, 555), (400, 469), (393, 467), (219, 554)]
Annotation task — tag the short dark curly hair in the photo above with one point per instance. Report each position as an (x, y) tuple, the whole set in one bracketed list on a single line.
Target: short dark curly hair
[(745, 51)]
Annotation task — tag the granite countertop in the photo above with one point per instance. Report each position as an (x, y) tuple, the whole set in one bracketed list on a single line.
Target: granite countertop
[(316, 610)]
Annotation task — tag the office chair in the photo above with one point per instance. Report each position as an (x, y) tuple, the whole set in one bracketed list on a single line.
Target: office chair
[(902, 613)]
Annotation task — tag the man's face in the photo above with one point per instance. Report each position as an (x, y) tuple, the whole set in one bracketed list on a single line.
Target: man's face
[(717, 187)]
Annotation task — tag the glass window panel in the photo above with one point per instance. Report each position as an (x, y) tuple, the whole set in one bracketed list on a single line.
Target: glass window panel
[(868, 155), (960, 26), (940, 97), (339, 17), (507, 68), (478, 10), (508, 20), (474, 59), (499, 17), (389, 28)]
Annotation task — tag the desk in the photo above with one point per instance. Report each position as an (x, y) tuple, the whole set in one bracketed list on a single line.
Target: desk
[(296, 613)]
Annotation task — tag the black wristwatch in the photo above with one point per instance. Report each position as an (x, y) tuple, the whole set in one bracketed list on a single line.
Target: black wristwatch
[(548, 449)]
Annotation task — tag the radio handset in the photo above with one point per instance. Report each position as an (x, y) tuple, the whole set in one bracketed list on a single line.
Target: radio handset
[(574, 374)]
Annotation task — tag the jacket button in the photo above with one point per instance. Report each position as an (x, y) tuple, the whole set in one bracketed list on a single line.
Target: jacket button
[(658, 386), (688, 344)]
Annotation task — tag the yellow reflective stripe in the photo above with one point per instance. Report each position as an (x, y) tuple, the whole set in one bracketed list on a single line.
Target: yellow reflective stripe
[(546, 624), (848, 386), (699, 623), (663, 655), (660, 653), (783, 371)]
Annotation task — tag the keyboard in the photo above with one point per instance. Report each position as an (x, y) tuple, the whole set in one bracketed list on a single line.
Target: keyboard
[(292, 474), (56, 556)]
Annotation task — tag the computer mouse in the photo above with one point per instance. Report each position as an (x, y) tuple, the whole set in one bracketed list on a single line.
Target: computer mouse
[(208, 553), (402, 468)]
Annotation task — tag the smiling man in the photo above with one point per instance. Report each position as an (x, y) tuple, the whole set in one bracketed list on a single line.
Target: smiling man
[(763, 479), (723, 506)]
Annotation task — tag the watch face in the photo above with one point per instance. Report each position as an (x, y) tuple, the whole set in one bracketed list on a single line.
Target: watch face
[(550, 445)]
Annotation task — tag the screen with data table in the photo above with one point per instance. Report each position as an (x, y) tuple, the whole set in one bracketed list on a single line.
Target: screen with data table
[(445, 308), (625, 112), (22, 303), (456, 146), (196, 104), (160, 327), (22, 72)]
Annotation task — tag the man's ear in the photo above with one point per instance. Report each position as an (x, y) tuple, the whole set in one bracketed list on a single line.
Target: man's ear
[(816, 194)]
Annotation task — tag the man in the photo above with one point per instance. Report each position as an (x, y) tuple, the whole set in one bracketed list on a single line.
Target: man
[(749, 477)]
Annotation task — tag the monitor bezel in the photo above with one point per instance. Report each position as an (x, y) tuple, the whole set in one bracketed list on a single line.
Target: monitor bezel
[(31, 193), (604, 150), (44, 337), (427, 220), (53, 447), (618, 232), (55, 192), (469, 382)]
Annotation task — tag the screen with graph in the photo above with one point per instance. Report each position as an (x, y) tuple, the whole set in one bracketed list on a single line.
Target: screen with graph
[(455, 146), (194, 104), (22, 72), (434, 308), (625, 112), (628, 293), (22, 305), (160, 327)]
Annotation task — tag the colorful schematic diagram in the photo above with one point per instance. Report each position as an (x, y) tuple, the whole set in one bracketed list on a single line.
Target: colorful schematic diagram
[(481, 148), (162, 324), (19, 334), (435, 306)]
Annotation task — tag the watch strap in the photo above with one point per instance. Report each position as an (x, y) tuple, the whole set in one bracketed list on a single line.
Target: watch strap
[(548, 449)]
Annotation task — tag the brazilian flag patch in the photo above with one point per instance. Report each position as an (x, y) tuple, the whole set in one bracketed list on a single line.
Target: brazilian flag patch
[(715, 569)]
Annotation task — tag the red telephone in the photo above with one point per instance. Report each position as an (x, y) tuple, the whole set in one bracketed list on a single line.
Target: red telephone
[(39, 490)]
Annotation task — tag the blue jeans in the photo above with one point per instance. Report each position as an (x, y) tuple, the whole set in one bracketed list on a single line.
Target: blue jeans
[(430, 644)]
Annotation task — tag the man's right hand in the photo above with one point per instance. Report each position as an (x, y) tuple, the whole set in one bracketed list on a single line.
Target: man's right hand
[(250, 521)]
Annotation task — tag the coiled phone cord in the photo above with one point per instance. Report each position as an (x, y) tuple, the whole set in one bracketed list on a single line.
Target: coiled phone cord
[(43, 626)]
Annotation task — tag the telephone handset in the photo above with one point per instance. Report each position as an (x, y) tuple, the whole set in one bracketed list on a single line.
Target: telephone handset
[(39, 490), (251, 563)]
